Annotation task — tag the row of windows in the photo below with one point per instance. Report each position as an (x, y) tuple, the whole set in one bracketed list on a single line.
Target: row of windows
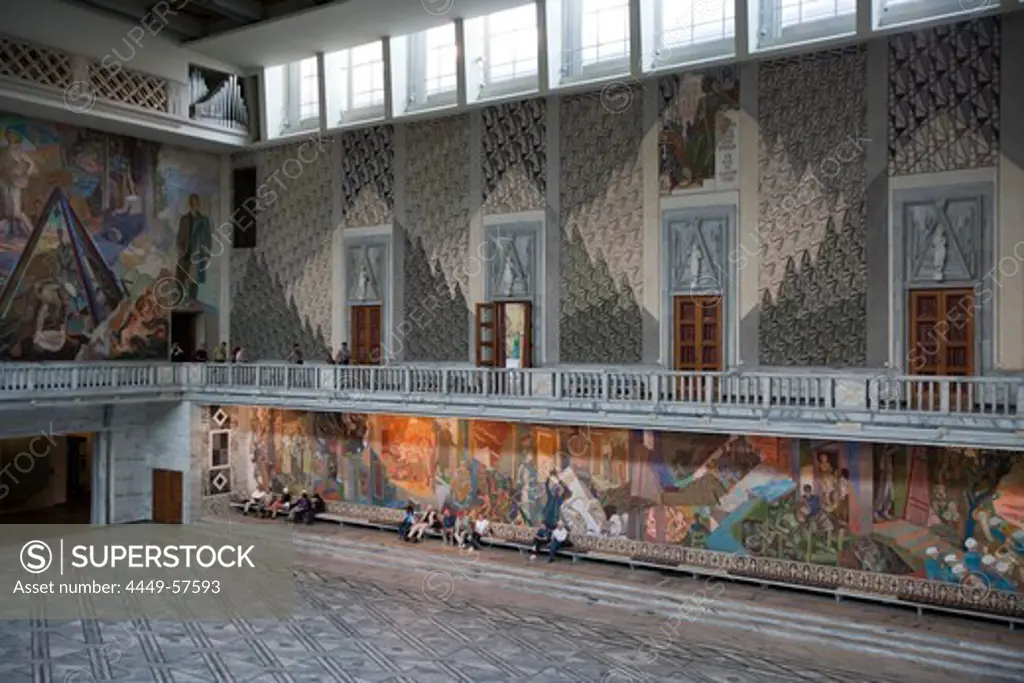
[(588, 39)]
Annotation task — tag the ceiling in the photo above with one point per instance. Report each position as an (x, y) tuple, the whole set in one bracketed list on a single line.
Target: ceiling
[(258, 33)]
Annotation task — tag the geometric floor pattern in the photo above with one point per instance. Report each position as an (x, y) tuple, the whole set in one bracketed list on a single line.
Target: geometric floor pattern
[(355, 631)]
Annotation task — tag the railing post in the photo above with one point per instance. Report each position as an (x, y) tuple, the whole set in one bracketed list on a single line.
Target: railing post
[(944, 390), (74, 378), (406, 380), (444, 381), (606, 385), (556, 383)]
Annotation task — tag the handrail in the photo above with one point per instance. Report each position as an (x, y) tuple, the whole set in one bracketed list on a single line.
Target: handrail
[(770, 391)]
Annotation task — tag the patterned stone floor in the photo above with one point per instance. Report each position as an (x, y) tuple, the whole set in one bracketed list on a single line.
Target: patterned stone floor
[(386, 622)]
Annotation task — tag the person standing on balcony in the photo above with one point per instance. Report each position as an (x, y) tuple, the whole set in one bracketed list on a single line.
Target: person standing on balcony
[(296, 355), (220, 354), (201, 356), (344, 356)]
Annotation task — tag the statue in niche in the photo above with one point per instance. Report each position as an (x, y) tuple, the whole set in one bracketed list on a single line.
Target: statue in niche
[(939, 254), (696, 262), (362, 283)]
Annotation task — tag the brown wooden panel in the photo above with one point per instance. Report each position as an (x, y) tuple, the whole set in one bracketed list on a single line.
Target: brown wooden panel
[(365, 331), (697, 334), (486, 335), (941, 340), (168, 496)]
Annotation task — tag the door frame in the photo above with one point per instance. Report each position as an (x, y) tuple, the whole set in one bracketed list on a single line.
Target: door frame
[(389, 282), (701, 205)]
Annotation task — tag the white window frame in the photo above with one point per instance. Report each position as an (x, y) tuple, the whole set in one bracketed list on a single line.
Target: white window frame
[(209, 456), (417, 75), (508, 86), (292, 120), (572, 50), (349, 112), (667, 55), (923, 10), (770, 33)]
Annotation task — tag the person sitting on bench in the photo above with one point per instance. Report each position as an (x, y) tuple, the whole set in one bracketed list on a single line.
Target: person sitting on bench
[(481, 528), (407, 521), (429, 520), (559, 538), (540, 540), (448, 527), (302, 510), (319, 506), (256, 500), (281, 504), (463, 529)]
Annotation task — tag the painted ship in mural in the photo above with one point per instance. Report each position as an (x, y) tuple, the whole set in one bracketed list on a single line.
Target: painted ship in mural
[(949, 515)]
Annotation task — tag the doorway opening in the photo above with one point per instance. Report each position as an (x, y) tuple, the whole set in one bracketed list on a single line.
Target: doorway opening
[(504, 334), (184, 336), (51, 482)]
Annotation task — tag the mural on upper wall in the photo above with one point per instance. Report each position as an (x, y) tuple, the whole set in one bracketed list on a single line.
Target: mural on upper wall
[(944, 98), (94, 229), (601, 195), (950, 515), (699, 115)]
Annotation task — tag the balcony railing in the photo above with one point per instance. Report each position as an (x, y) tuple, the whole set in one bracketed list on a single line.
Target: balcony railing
[(963, 403)]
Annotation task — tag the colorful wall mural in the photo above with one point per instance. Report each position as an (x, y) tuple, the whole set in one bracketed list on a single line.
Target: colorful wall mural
[(100, 237), (949, 515)]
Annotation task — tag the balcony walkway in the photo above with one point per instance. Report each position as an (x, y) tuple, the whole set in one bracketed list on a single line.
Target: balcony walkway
[(966, 411)]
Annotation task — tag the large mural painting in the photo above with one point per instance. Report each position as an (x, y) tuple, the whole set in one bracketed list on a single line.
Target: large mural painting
[(949, 515), (100, 237)]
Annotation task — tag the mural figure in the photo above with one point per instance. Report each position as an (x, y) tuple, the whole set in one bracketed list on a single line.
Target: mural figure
[(17, 168), (194, 237), (693, 120)]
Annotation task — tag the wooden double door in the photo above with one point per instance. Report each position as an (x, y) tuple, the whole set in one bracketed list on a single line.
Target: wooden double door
[(365, 331), (504, 332), (941, 344)]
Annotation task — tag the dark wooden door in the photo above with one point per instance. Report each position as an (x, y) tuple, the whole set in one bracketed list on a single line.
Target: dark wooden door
[(366, 335), (168, 496), (941, 341)]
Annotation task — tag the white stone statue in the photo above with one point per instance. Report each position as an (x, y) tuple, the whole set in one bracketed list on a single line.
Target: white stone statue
[(362, 283), (939, 254), (696, 263)]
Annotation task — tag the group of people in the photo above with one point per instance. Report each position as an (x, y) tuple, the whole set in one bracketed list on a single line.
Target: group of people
[(467, 532), (220, 354), (456, 528), (264, 503), (343, 357)]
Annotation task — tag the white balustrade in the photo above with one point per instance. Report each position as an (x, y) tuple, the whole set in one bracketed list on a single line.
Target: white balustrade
[(768, 391)]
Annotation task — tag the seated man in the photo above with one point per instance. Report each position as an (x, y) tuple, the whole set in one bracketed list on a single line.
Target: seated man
[(256, 500), (319, 506), (302, 510), (463, 529), (540, 539), (559, 538), (481, 528), (448, 527)]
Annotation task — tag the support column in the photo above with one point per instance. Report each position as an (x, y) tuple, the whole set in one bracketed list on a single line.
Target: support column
[(1009, 237), (553, 232), (397, 270), (876, 240), (224, 217), (339, 317), (746, 258), (650, 155), (476, 268)]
